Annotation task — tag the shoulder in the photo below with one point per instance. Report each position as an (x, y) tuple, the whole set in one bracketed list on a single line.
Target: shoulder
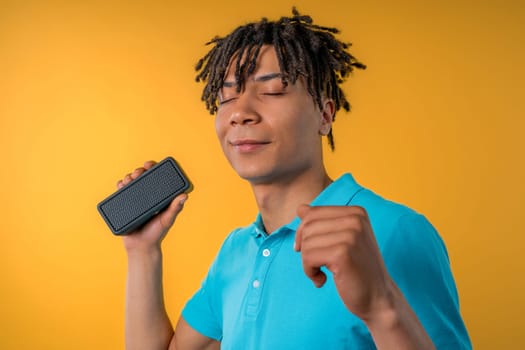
[(238, 243), (239, 237), (417, 260), (388, 217), (377, 205)]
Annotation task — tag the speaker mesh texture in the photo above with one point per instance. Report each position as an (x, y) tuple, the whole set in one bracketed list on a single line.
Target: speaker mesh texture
[(144, 193)]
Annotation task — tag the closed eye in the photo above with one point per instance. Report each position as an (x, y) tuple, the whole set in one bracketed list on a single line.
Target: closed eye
[(221, 102)]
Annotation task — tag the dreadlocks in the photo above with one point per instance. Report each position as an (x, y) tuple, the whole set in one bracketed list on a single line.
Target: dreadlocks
[(303, 49)]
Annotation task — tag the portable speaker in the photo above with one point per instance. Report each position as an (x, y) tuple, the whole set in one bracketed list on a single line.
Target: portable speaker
[(134, 204)]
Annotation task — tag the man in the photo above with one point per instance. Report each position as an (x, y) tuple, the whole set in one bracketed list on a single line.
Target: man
[(327, 264)]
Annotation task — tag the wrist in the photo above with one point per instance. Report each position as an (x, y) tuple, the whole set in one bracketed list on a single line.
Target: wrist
[(386, 313), (144, 252), (394, 325)]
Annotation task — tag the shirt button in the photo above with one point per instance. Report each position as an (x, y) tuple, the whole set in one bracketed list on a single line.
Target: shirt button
[(256, 284), (266, 253)]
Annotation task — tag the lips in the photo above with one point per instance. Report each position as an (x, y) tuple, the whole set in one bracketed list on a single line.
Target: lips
[(248, 145), (247, 142)]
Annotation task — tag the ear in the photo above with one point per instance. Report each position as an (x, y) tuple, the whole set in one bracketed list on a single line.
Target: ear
[(327, 116)]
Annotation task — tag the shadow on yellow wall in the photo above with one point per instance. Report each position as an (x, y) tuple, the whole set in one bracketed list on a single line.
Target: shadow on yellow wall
[(89, 92)]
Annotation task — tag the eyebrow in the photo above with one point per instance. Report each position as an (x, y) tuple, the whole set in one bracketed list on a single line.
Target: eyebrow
[(266, 77), (259, 78)]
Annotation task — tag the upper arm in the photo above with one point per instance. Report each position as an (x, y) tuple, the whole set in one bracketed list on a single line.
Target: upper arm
[(187, 338), (419, 264)]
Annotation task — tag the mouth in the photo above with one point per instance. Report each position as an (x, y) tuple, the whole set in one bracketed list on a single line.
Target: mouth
[(248, 145)]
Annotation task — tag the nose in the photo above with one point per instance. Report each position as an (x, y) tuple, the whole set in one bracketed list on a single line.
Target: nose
[(243, 111)]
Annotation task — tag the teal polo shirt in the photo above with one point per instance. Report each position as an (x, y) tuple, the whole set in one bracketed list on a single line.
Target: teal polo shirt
[(256, 295)]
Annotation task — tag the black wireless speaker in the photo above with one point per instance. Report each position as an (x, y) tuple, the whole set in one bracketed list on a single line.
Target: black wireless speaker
[(134, 204)]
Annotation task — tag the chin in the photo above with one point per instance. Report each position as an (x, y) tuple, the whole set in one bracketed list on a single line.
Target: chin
[(251, 176), (254, 175)]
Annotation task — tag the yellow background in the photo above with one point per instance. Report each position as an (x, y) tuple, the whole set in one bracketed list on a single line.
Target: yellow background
[(90, 90)]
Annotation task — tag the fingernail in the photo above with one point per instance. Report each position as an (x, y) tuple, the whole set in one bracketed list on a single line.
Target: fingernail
[(183, 200)]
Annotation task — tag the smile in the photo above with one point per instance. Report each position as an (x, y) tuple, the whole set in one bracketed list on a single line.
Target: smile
[(247, 146)]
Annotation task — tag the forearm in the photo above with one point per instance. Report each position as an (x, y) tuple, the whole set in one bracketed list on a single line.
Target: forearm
[(396, 326), (147, 323)]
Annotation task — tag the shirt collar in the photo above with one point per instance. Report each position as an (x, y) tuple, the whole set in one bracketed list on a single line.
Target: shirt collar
[(340, 192)]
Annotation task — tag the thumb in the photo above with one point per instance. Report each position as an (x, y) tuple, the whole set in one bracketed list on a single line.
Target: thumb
[(168, 216), (302, 210), (301, 213)]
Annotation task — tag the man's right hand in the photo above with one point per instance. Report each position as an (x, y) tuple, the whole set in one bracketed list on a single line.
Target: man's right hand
[(153, 232)]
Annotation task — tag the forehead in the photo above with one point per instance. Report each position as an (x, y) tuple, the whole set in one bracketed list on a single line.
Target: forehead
[(266, 62)]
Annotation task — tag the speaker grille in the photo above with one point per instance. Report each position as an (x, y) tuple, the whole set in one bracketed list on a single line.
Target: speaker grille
[(155, 188)]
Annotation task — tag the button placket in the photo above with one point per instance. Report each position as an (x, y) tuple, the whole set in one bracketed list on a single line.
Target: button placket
[(267, 252)]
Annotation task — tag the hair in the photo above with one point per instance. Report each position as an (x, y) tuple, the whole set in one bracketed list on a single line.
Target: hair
[(303, 49)]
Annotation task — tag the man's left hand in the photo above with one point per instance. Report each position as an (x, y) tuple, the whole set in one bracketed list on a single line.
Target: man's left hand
[(341, 239)]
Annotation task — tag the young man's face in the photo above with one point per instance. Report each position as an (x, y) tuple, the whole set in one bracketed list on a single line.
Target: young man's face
[(269, 132)]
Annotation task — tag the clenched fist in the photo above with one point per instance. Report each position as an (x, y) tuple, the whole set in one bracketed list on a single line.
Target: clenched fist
[(341, 239)]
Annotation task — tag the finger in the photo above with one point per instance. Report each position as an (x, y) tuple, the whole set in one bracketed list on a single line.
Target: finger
[(328, 211), (127, 179), (327, 218), (169, 215), (313, 258), (119, 184), (315, 224), (315, 274), (313, 271), (334, 211), (328, 239), (302, 211), (308, 213), (348, 223), (137, 172), (149, 164)]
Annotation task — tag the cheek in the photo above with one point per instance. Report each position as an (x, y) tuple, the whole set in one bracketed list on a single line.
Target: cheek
[(304, 126), (220, 128)]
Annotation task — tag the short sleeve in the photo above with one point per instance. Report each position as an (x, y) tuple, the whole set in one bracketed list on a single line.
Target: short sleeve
[(418, 262), (199, 311)]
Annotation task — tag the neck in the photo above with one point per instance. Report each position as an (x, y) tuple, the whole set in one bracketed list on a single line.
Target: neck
[(278, 201)]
